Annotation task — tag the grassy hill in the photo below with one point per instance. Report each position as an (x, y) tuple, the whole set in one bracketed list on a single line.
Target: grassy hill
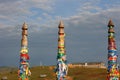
[(77, 73)]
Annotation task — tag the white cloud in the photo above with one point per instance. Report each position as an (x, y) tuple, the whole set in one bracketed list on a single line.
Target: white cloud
[(24, 7), (46, 5), (36, 13), (16, 12)]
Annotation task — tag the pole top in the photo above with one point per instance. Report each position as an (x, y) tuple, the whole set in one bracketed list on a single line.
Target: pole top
[(110, 23), (24, 26), (61, 25)]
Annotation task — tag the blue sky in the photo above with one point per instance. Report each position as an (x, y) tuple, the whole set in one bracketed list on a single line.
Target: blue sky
[(85, 24)]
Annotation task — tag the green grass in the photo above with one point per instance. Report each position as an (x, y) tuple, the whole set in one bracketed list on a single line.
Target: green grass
[(77, 73), (87, 73)]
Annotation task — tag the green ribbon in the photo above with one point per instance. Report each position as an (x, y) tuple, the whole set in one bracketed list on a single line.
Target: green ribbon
[(60, 55)]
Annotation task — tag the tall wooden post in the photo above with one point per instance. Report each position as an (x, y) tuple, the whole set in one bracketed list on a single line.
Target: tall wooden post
[(113, 72), (61, 69), (24, 68)]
